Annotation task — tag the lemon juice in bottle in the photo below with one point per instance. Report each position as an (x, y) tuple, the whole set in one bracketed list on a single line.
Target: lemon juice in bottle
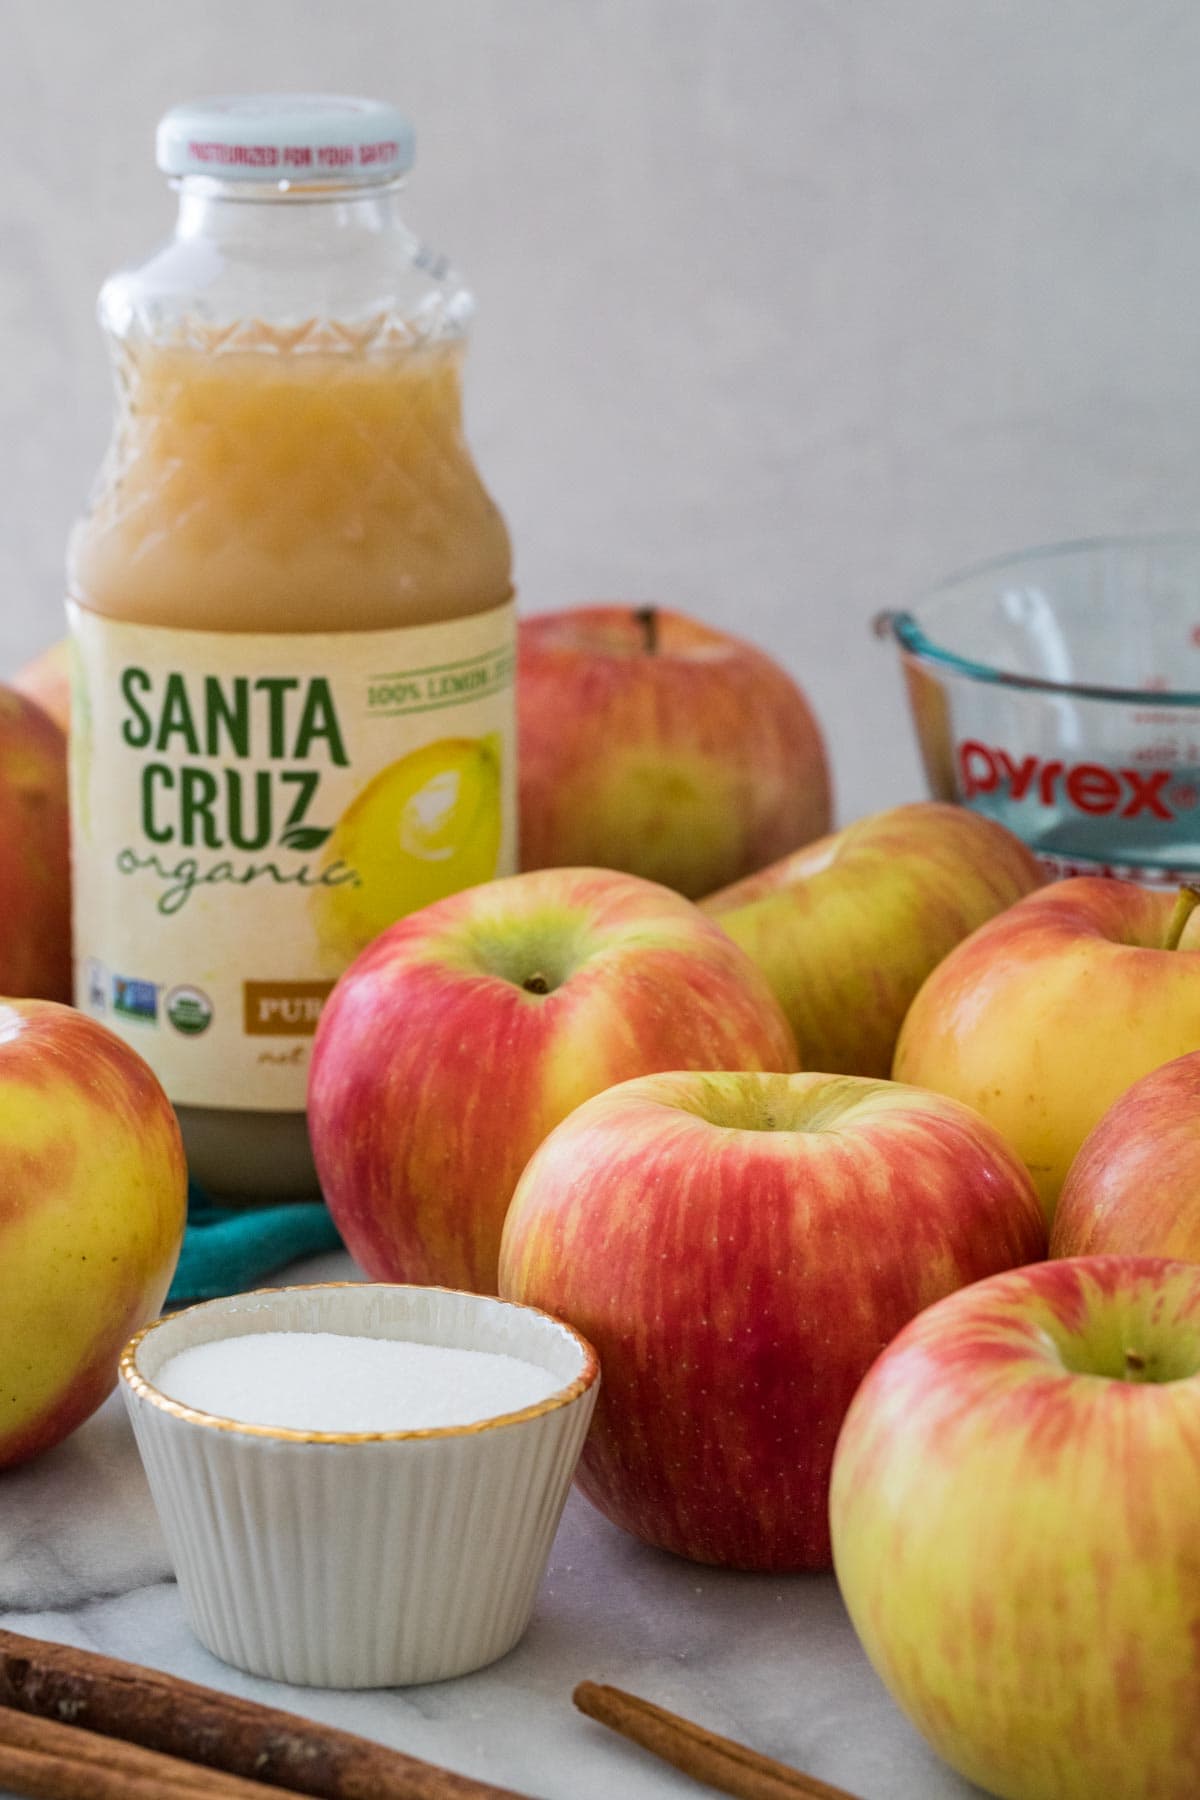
[(291, 605)]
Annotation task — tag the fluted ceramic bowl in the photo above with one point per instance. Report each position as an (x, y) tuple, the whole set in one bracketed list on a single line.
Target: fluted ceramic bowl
[(361, 1559)]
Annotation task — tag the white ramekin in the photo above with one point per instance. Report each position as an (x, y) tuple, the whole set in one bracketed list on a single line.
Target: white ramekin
[(351, 1559)]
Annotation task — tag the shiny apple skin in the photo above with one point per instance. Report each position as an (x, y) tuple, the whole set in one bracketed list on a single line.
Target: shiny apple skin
[(739, 1248), (690, 763), (35, 867), (1046, 1015), (93, 1199), (1014, 1529), (1134, 1188), (847, 930), (436, 1072)]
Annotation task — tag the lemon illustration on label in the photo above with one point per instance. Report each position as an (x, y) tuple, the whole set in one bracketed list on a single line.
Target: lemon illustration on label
[(425, 827)]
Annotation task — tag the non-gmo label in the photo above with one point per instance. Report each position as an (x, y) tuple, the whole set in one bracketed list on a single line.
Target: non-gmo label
[(250, 810), (133, 999)]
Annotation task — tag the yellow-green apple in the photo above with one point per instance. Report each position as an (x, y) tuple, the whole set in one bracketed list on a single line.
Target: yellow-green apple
[(1014, 1528), (739, 1248), (1045, 1015), (47, 679), (463, 1034), (93, 1193), (652, 743), (35, 873), (1134, 1188), (847, 930)]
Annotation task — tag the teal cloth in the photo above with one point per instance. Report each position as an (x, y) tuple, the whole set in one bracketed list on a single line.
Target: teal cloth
[(227, 1249)]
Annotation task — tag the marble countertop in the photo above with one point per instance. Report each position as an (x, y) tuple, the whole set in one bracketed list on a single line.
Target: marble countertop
[(772, 1662)]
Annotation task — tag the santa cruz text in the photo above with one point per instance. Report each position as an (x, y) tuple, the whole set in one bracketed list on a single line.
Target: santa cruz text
[(249, 728)]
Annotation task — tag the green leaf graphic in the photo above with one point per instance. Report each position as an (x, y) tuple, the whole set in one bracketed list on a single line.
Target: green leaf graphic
[(305, 837)]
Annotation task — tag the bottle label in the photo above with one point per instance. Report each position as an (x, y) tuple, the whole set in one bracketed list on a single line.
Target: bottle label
[(250, 810)]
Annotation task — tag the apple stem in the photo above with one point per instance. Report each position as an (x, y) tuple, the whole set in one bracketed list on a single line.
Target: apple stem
[(647, 618), (536, 984), (1185, 905), (1134, 1361)]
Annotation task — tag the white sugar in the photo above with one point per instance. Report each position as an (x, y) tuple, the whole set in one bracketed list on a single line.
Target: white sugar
[(322, 1381)]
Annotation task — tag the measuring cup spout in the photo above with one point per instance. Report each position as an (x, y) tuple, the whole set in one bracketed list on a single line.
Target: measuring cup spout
[(886, 624)]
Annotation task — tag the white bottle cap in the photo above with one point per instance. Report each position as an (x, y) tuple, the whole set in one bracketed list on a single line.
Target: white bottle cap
[(286, 138)]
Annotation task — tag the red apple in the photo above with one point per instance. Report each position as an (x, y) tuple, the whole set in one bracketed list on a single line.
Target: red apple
[(847, 930), (47, 679), (1134, 1188), (35, 872), (464, 1033), (652, 743), (1044, 1016), (739, 1248), (93, 1192), (1014, 1529)]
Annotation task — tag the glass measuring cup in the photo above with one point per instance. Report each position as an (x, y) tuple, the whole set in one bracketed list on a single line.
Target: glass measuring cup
[(1058, 691)]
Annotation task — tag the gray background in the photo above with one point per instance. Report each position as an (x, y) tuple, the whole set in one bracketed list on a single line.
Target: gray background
[(786, 309)]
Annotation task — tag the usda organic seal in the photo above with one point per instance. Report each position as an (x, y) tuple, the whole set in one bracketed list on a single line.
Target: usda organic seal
[(190, 1010)]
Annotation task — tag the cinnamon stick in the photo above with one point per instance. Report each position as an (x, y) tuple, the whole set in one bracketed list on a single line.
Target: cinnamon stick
[(49, 1761), (215, 1730), (718, 1761)]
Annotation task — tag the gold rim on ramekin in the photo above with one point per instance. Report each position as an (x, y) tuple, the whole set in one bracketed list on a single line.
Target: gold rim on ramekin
[(145, 1389)]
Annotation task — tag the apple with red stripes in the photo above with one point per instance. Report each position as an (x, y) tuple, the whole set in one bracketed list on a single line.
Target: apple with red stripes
[(1048, 1013), (467, 1031), (93, 1197), (1013, 1510), (654, 743), (847, 929), (35, 872), (1134, 1188), (739, 1248)]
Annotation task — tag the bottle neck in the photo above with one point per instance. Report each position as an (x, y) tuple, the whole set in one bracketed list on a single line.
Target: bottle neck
[(229, 211), (339, 253)]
